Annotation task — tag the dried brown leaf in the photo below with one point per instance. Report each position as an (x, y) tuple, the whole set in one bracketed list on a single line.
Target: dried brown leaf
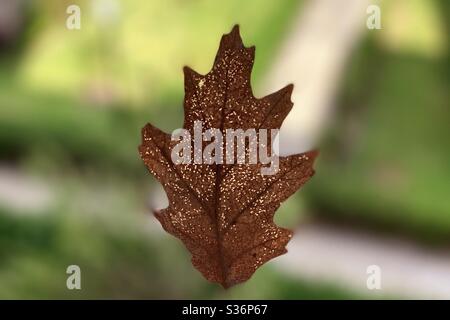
[(224, 213)]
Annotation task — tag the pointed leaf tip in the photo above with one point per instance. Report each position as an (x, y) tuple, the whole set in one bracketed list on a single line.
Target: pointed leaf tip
[(235, 35), (235, 29)]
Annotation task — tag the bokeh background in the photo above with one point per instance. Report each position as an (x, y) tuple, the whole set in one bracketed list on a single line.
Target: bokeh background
[(74, 191)]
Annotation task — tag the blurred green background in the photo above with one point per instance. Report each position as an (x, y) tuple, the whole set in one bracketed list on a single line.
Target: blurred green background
[(72, 104)]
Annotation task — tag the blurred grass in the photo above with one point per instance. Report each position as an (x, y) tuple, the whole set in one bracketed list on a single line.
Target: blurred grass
[(87, 153), (386, 161), (59, 121), (137, 54), (100, 222), (36, 251), (58, 124)]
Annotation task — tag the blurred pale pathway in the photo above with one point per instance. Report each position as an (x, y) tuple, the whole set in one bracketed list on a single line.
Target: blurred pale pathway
[(22, 193), (328, 254), (313, 58), (341, 256)]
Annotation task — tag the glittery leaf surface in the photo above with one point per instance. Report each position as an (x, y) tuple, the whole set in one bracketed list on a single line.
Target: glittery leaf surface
[(223, 213)]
